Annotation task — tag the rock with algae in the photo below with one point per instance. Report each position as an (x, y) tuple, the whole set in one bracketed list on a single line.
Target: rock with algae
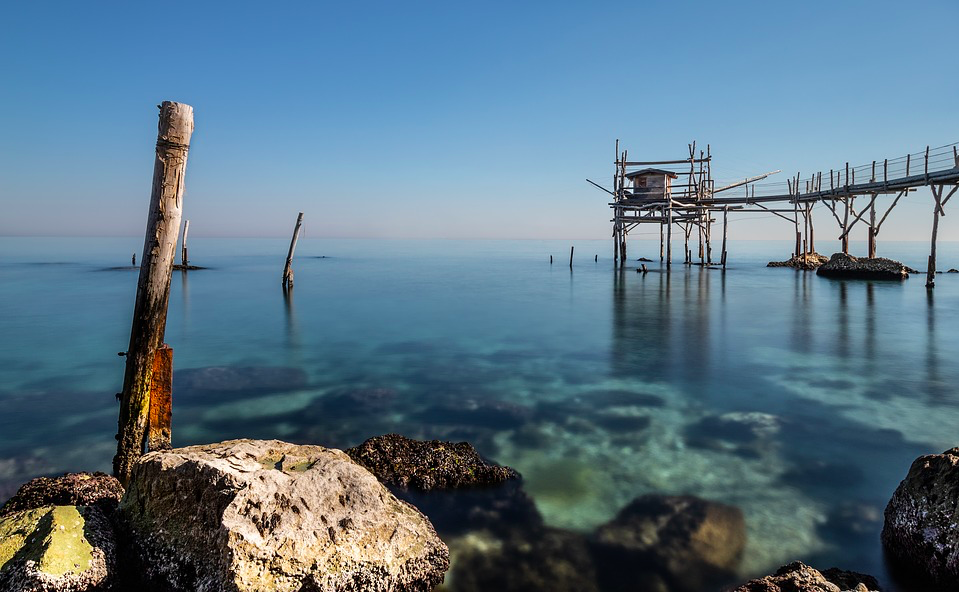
[(70, 489), (56, 549), (426, 465), (250, 515)]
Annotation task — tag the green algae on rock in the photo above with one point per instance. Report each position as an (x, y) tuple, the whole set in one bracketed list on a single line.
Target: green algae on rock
[(426, 465), (56, 548)]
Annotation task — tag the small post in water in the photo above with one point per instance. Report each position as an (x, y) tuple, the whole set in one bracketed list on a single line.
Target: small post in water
[(133, 260), (288, 269), (571, 257), (153, 286), (184, 260)]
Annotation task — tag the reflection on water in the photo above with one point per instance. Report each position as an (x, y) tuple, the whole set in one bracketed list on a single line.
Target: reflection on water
[(798, 401)]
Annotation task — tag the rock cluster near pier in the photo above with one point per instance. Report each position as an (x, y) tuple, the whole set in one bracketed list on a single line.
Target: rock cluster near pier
[(807, 261), (799, 577), (841, 265)]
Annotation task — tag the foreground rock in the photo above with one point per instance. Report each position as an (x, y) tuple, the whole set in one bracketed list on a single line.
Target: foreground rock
[(426, 465), (694, 544), (808, 261), (799, 577), (72, 489), (249, 515), (920, 520), (841, 265), (56, 549)]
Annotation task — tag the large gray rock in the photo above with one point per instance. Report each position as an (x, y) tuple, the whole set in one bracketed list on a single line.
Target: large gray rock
[(841, 265), (249, 515), (694, 544), (920, 520), (799, 577), (56, 549)]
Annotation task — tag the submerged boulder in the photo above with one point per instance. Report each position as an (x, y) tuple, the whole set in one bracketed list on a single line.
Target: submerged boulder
[(806, 261), (426, 465), (56, 549), (248, 515), (799, 577), (920, 529), (71, 489), (693, 543), (841, 265)]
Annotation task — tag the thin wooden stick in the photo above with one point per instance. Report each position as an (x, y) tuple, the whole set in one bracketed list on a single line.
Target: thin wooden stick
[(288, 268), (184, 259), (931, 269)]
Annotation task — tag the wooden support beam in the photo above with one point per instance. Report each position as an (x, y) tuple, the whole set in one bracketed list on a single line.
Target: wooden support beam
[(184, 259), (288, 268), (725, 227), (159, 433), (858, 217), (153, 286), (931, 269)]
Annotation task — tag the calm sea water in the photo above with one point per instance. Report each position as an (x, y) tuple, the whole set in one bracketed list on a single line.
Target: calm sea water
[(799, 399)]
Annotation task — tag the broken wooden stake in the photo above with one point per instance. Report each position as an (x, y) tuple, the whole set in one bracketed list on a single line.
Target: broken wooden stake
[(153, 286), (184, 260), (571, 257), (288, 268)]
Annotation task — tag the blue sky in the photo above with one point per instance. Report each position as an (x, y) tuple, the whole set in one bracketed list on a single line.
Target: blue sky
[(453, 120)]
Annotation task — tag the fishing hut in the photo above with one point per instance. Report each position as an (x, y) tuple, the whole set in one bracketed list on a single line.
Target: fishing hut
[(685, 197)]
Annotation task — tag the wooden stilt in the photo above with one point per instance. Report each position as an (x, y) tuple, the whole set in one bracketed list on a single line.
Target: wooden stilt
[(161, 400), (669, 234), (133, 260), (184, 259), (845, 226), (660, 243), (872, 229), (571, 257), (931, 269), (725, 226), (288, 268), (153, 287)]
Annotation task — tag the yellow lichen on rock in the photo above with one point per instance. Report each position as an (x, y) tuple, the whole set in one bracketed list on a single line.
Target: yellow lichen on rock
[(52, 537)]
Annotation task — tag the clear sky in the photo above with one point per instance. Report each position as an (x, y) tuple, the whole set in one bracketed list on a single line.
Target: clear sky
[(454, 119)]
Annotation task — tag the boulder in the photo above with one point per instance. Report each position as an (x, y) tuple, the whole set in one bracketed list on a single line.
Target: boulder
[(248, 515), (841, 265), (920, 520), (808, 261), (426, 465), (56, 549), (71, 489), (799, 577), (694, 544)]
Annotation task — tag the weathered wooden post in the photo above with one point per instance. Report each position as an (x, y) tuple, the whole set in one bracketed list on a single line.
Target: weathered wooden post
[(184, 260), (153, 287), (571, 257), (133, 260), (725, 226), (931, 269), (288, 268)]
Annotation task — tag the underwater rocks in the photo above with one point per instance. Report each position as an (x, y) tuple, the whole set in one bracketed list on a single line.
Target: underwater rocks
[(246, 379), (841, 265), (426, 465), (746, 434), (808, 261), (799, 577), (57, 549), (920, 520), (691, 543), (249, 515), (71, 489)]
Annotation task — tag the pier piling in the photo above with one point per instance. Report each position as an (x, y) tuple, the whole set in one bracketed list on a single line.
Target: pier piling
[(288, 268)]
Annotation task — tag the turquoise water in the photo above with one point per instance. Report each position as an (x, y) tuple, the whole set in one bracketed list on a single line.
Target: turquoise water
[(799, 399)]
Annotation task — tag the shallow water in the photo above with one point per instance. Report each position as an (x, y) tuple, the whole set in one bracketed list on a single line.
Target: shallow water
[(799, 399)]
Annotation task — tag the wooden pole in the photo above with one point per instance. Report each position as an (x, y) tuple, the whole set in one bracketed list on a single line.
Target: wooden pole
[(669, 234), (571, 257), (931, 269), (288, 268), (725, 226), (133, 260), (812, 233), (161, 400), (153, 286), (845, 226), (184, 260), (660, 242), (872, 229)]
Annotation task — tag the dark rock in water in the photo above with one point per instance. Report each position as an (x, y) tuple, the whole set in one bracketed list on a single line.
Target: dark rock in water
[(180, 267), (426, 465), (850, 522), (644, 259), (746, 433), (841, 265), (953, 270), (808, 262), (693, 544), (240, 378), (249, 515), (539, 559), (57, 549), (799, 577), (72, 489), (823, 474), (920, 520)]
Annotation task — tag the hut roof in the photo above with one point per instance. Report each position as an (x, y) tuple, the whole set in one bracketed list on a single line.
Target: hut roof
[(651, 172)]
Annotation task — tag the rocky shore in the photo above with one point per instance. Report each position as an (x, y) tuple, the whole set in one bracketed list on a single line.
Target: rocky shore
[(806, 261), (248, 515)]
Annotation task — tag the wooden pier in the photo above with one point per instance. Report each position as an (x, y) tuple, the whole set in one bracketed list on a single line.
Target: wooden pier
[(684, 196)]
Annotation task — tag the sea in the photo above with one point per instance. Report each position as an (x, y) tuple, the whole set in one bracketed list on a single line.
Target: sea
[(798, 399)]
